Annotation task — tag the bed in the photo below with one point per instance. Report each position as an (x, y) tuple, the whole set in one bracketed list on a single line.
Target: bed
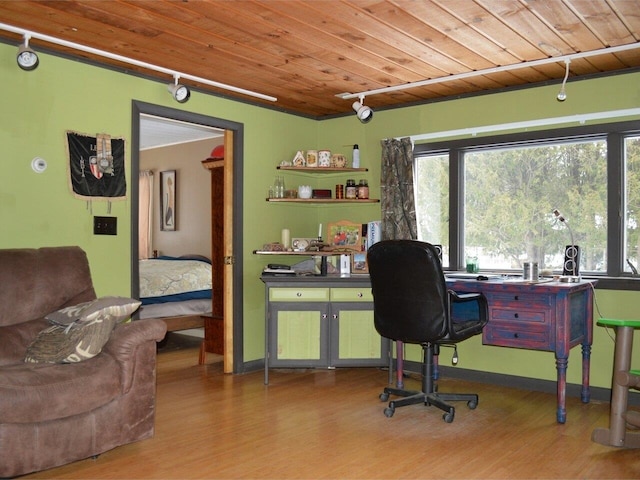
[(177, 290)]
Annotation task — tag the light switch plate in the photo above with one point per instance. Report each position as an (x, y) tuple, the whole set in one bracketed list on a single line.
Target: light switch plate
[(105, 225)]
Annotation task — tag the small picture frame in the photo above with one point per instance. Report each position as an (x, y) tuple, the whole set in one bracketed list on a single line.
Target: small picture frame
[(168, 214), (359, 263), (345, 235)]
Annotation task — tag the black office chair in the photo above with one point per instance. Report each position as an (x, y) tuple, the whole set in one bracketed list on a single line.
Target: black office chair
[(412, 304)]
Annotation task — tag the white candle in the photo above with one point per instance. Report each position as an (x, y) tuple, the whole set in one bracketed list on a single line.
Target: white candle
[(320, 231), (286, 238)]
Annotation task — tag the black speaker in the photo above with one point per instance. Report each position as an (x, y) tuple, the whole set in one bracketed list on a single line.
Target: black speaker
[(571, 260), (439, 250)]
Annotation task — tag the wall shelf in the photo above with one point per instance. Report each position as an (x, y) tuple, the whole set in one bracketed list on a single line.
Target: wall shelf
[(322, 200), (321, 169), (322, 253)]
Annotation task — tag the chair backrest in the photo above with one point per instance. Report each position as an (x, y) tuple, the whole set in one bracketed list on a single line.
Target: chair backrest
[(410, 298), (36, 282)]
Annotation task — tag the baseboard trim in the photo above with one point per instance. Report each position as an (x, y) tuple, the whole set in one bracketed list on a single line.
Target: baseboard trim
[(498, 379), (523, 383)]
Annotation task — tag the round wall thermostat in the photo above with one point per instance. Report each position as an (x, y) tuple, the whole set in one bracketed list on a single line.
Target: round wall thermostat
[(39, 165)]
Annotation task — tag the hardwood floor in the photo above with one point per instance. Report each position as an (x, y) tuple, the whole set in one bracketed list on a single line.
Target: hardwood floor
[(329, 424)]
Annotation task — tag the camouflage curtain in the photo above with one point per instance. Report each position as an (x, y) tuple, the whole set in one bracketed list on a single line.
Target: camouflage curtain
[(397, 201)]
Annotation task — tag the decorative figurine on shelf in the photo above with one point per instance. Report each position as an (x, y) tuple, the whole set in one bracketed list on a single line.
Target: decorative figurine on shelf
[(299, 160)]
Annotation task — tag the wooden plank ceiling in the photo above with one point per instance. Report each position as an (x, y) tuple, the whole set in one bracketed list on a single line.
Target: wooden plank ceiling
[(304, 53)]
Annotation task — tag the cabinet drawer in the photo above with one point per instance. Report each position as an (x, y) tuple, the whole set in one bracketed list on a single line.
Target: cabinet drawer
[(351, 295), (504, 335), (524, 299), (517, 315), (298, 294)]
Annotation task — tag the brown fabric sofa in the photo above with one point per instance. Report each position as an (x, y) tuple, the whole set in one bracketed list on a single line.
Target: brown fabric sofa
[(53, 414)]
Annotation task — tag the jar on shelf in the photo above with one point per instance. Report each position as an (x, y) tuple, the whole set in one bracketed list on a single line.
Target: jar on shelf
[(363, 189), (350, 191)]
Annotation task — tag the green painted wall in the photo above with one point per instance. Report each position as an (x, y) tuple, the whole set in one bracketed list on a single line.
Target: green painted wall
[(39, 210), (587, 96)]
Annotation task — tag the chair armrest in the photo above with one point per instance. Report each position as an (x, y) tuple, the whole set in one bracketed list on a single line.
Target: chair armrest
[(483, 305), (461, 328), (125, 340), (466, 297)]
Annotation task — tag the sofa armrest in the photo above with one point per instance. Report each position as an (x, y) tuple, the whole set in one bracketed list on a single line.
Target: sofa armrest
[(124, 342)]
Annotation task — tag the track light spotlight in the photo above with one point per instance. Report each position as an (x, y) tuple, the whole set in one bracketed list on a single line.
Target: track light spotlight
[(364, 114), (27, 58), (179, 92), (562, 94)]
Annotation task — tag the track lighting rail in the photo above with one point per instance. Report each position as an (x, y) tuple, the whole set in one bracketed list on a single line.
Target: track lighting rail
[(487, 71), (132, 61)]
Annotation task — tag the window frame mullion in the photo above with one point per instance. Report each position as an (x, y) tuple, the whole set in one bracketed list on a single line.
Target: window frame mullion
[(616, 199), (456, 209)]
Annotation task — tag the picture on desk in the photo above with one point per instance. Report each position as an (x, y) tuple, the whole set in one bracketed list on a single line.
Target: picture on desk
[(359, 263), (345, 235)]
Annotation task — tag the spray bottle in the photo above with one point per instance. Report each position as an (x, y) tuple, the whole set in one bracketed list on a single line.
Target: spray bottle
[(356, 157)]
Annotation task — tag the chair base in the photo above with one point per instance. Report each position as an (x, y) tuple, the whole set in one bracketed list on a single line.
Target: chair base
[(439, 400), (429, 394)]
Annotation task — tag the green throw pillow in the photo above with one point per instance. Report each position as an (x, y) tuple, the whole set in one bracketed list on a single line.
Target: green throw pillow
[(78, 333)]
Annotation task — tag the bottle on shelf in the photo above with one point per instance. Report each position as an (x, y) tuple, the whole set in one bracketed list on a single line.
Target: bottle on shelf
[(356, 157), (278, 188)]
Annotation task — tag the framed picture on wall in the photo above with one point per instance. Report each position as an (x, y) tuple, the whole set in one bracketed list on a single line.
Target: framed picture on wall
[(168, 189)]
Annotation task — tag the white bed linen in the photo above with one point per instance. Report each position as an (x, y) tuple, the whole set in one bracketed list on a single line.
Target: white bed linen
[(175, 309)]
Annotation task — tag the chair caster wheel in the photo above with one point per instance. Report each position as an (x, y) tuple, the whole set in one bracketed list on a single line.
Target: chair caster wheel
[(388, 412), (383, 397), (472, 405), (448, 417)]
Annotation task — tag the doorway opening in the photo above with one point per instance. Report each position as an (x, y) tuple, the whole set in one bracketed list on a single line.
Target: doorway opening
[(233, 134)]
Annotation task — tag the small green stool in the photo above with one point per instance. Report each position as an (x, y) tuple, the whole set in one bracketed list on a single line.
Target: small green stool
[(623, 379)]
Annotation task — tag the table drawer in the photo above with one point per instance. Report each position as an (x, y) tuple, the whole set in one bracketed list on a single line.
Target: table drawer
[(524, 299), (298, 294), (351, 295), (517, 315), (505, 335)]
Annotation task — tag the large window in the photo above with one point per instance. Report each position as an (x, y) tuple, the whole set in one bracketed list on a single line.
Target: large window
[(494, 199)]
